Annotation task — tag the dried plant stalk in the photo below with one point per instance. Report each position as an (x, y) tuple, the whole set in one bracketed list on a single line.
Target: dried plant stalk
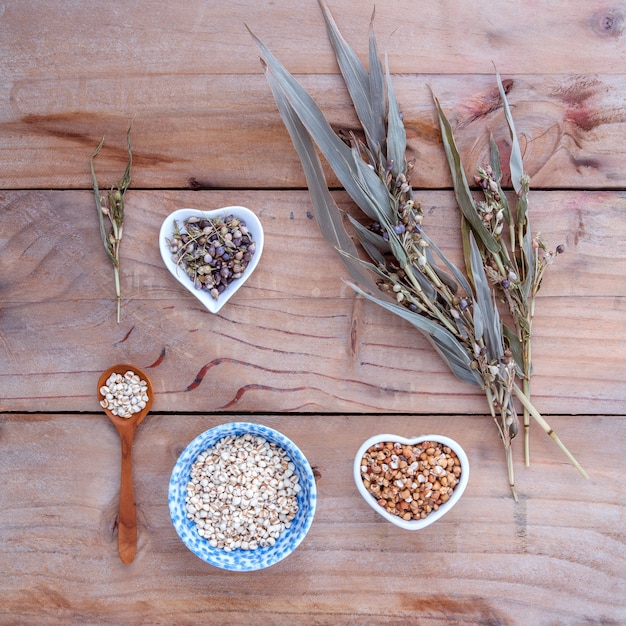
[(515, 264), (405, 272), (111, 207)]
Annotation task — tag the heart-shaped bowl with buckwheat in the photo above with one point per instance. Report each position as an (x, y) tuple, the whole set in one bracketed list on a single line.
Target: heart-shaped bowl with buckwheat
[(411, 482)]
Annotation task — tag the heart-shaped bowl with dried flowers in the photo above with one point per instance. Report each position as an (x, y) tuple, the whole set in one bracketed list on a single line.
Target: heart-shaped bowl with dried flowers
[(211, 253), (411, 482)]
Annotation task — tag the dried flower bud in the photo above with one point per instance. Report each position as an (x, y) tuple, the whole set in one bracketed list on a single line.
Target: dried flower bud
[(210, 253)]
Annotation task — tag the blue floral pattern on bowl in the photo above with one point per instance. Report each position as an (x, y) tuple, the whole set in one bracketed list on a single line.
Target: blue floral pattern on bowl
[(241, 560)]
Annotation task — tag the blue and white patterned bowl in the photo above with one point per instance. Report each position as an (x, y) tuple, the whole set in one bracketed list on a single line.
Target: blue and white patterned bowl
[(241, 560)]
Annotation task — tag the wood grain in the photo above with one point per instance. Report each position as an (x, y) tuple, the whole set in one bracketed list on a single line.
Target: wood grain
[(295, 349), (556, 557), (205, 118), (206, 132), (447, 37), (295, 338)]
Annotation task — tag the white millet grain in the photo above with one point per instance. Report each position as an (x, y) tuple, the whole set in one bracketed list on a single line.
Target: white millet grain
[(124, 394), (242, 493)]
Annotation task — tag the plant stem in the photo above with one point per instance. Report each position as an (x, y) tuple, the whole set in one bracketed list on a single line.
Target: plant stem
[(509, 464), (526, 345), (116, 270), (526, 387), (547, 428)]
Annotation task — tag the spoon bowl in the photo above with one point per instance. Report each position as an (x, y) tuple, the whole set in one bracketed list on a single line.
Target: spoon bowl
[(135, 418), (126, 428)]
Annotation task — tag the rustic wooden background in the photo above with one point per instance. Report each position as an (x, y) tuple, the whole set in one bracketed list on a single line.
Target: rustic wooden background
[(295, 349)]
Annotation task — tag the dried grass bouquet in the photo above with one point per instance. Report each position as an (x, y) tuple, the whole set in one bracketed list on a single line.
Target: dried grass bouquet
[(404, 271)]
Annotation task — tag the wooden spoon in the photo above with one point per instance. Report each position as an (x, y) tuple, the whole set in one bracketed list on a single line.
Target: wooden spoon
[(126, 427)]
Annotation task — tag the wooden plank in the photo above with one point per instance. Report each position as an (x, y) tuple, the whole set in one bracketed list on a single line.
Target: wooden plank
[(195, 36), (488, 561), (204, 131), (295, 338), (295, 349)]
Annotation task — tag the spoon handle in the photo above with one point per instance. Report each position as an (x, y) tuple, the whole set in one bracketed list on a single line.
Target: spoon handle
[(127, 517)]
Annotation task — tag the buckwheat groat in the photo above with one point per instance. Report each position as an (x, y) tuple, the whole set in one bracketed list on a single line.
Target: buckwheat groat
[(242, 493)]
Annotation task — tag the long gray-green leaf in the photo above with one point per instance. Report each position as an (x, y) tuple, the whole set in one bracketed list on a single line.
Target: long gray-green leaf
[(377, 88), (466, 230), (125, 181), (515, 162), (372, 287), (364, 271), (442, 340), (356, 78), (515, 345), (396, 134), (485, 304), (451, 266), (336, 152), (443, 276), (372, 243), (380, 201), (461, 188), (327, 213), (529, 256), (96, 193)]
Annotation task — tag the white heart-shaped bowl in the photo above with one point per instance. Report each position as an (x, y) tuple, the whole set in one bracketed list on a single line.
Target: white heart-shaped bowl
[(434, 515), (167, 228), (241, 560)]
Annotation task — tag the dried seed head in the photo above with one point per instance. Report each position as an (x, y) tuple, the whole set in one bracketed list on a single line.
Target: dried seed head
[(212, 252)]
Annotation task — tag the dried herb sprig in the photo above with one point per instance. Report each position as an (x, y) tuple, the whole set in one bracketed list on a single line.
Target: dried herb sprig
[(516, 264), (111, 206), (406, 273)]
